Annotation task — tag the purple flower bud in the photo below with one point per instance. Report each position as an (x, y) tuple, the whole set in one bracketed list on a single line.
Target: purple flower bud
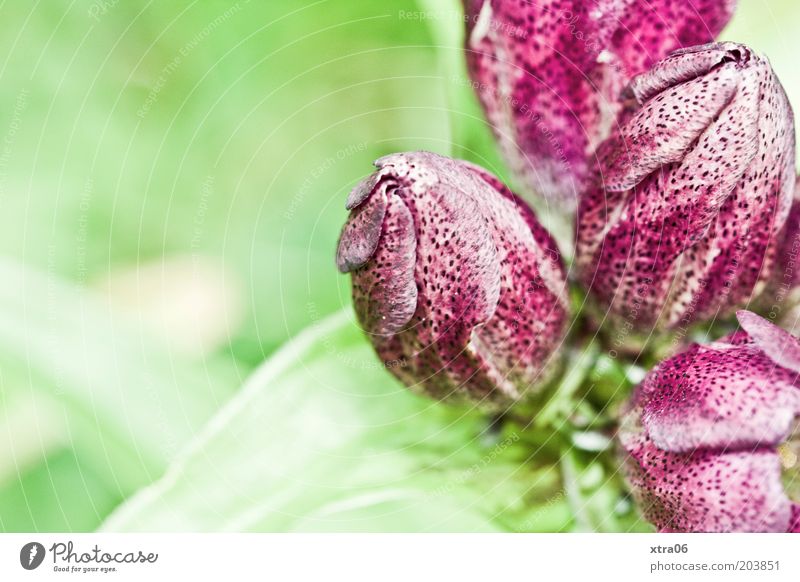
[(711, 435), (460, 289), (693, 191), (549, 73)]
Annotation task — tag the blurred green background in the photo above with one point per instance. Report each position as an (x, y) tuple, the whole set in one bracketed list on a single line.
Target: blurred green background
[(172, 178)]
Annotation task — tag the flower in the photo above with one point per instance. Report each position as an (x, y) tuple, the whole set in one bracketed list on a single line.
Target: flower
[(549, 74), (692, 192), (460, 289), (708, 430)]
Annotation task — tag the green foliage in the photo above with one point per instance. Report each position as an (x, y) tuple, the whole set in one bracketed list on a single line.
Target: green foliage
[(322, 438), (136, 133), (91, 405)]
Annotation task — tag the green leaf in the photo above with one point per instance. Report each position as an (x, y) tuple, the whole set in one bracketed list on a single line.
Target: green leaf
[(91, 406), (323, 438)]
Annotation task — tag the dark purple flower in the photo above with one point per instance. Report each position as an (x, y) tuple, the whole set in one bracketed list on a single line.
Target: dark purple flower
[(462, 292), (549, 73), (693, 190), (712, 435)]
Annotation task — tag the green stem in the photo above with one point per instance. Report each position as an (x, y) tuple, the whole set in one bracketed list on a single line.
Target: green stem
[(579, 365)]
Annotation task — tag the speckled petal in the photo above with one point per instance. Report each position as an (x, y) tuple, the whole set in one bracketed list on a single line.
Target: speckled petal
[(743, 237), (457, 266), (463, 293), (681, 66), (543, 247), (652, 29), (460, 288), (385, 293), (705, 490), (795, 526), (667, 126), (549, 74), (532, 310), (706, 433), (685, 218), (719, 396)]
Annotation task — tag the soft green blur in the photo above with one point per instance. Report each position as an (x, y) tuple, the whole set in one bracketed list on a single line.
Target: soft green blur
[(172, 178)]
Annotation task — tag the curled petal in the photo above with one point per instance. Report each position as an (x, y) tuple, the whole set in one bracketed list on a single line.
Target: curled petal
[(361, 233), (666, 127), (457, 267), (385, 293), (685, 65)]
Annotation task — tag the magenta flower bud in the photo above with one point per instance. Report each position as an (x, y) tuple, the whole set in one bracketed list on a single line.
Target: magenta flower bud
[(711, 435), (460, 289), (549, 74), (693, 190)]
